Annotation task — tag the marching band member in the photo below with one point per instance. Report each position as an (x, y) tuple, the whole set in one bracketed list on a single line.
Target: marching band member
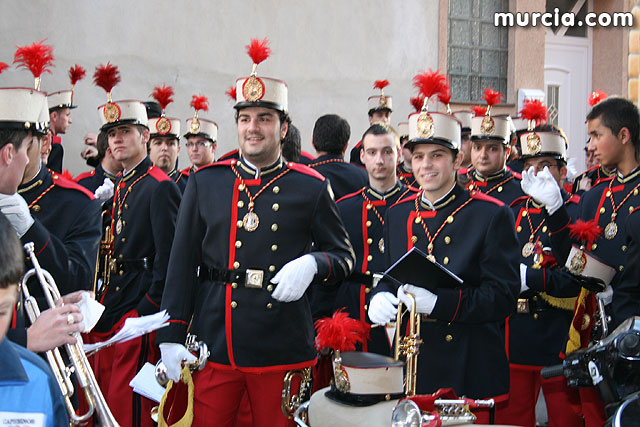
[(239, 278), (201, 138)]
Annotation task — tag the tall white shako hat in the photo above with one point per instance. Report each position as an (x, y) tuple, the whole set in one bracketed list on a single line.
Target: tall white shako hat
[(488, 127), (403, 129), (64, 98), (380, 102), (464, 117), (198, 126), (254, 91), (433, 128), (537, 143), (163, 126), (115, 113), (581, 261)]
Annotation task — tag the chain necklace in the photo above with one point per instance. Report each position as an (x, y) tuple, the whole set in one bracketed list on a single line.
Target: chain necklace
[(120, 223), (529, 247), (611, 229)]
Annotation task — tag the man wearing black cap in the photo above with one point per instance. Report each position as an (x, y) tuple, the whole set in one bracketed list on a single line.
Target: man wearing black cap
[(468, 233), (261, 232)]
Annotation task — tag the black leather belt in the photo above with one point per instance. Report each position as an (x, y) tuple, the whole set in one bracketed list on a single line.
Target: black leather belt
[(249, 278), (365, 279), (134, 265)]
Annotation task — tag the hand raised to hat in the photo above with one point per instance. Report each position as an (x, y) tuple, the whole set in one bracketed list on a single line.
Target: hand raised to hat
[(294, 278), (15, 208), (425, 299), (383, 308), (173, 355), (543, 188)]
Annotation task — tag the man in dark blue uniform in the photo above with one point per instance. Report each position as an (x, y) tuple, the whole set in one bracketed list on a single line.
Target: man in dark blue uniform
[(261, 231), (490, 136), (330, 138), (363, 215), (470, 234), (164, 147), (403, 170), (145, 206), (201, 145)]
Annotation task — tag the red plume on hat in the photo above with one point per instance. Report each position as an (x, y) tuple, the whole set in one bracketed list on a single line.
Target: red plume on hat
[(585, 231), (492, 97), (200, 102), (106, 77), (445, 97), (37, 58), (163, 94), (534, 111), (597, 96), (417, 102), (258, 50), (3, 66), (231, 93), (76, 73), (340, 332), (430, 83), (478, 110)]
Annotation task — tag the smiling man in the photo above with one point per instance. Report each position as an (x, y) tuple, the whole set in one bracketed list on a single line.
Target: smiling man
[(261, 232)]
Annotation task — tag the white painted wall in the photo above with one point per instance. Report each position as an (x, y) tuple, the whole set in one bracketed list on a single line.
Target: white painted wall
[(328, 51)]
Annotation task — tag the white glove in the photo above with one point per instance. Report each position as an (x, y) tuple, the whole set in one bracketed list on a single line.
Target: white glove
[(172, 356), (606, 296), (543, 188), (105, 191), (294, 278), (425, 300), (17, 212), (572, 169), (383, 308), (523, 278)]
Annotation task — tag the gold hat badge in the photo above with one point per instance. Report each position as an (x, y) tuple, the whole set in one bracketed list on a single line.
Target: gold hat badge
[(429, 83), (253, 87), (536, 113), (381, 84), (163, 94), (107, 76), (198, 102), (488, 126)]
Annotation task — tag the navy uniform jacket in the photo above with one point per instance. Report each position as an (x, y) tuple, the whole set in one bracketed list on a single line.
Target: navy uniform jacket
[(141, 249), (366, 234), (504, 185), (180, 179), (463, 337), (537, 337), (595, 174), (354, 155), (244, 326), (95, 178), (54, 162), (596, 204), (345, 178), (626, 299), (406, 176)]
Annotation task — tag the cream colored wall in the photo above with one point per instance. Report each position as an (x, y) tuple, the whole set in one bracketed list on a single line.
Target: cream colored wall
[(610, 52), (329, 52)]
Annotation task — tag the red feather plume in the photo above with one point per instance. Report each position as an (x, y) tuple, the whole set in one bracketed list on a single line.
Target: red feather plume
[(585, 231), (76, 73), (597, 96), (534, 110), (445, 95), (430, 83), (380, 84), (492, 97), (231, 93), (417, 102), (3, 66), (163, 94), (479, 110), (340, 332), (37, 58), (258, 50), (106, 76), (200, 102)]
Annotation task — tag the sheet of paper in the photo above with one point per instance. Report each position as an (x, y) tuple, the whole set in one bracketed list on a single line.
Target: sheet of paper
[(145, 383)]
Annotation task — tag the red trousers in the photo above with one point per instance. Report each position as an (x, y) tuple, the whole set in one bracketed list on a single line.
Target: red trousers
[(591, 407), (563, 402), (219, 392), (115, 366)]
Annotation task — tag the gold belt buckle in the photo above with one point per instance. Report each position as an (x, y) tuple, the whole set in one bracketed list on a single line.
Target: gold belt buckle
[(254, 279), (523, 305)]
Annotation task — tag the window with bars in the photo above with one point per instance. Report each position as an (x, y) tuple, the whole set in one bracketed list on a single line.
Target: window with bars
[(477, 51)]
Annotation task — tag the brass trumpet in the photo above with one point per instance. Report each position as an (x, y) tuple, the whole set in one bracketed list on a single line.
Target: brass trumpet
[(409, 346), (79, 362), (446, 411), (290, 403), (105, 264)]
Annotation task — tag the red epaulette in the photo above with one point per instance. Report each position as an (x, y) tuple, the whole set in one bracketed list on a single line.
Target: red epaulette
[(305, 170), (591, 169), (307, 155), (603, 180), (463, 171), (228, 155), (517, 175), (84, 175), (358, 145), (186, 171), (478, 195), (348, 196), (407, 199), (519, 200), (158, 174), (227, 162), (635, 210), (55, 139), (64, 182), (575, 198)]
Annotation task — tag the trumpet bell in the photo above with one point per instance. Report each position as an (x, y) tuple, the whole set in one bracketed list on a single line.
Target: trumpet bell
[(406, 414)]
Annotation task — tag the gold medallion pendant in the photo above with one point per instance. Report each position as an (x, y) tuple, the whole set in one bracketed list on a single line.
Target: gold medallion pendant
[(527, 249), (381, 245), (119, 226), (250, 221), (610, 230)]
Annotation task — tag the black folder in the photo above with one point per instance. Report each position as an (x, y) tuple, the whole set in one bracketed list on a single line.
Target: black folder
[(416, 269)]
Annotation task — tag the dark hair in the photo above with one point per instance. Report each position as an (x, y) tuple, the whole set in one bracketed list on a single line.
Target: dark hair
[(11, 256), (617, 113), (331, 134), (291, 144), (102, 143), (381, 129), (12, 136), (284, 117)]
